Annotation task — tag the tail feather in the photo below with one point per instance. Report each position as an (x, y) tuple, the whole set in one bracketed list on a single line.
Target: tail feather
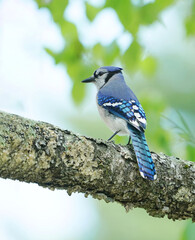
[(143, 155)]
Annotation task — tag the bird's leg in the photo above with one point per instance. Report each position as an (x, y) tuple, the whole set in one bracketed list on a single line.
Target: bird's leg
[(129, 140), (113, 135)]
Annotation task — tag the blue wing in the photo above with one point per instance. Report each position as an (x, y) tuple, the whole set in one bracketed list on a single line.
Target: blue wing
[(132, 112), (129, 110)]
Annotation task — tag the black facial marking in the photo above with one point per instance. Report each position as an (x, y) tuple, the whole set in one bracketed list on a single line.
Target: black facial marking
[(110, 74), (101, 73), (96, 75)]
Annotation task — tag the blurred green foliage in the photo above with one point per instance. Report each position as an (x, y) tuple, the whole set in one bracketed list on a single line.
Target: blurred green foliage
[(189, 232), (164, 83), (133, 226), (131, 16), (190, 21), (81, 60)]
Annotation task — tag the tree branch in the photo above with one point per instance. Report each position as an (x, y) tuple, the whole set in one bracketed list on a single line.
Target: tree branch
[(41, 153)]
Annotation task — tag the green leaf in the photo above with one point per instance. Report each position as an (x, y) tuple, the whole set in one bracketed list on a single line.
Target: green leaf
[(56, 7), (148, 66), (91, 11), (106, 55), (98, 51), (112, 52), (190, 152), (120, 140), (69, 30), (190, 21), (190, 25), (126, 13), (149, 13), (132, 57), (133, 16), (78, 92), (42, 3), (73, 49), (189, 232), (78, 71)]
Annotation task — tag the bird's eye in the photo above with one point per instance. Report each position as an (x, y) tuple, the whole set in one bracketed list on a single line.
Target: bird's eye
[(100, 73)]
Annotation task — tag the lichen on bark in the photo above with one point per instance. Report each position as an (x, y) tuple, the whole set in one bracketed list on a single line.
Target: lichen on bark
[(38, 152)]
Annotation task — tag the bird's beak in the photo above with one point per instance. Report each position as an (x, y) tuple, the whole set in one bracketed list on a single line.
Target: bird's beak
[(88, 80)]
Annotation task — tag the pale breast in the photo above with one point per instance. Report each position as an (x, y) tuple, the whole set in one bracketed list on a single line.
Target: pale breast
[(113, 122)]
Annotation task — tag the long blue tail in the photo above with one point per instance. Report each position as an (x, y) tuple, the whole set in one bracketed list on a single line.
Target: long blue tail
[(143, 155)]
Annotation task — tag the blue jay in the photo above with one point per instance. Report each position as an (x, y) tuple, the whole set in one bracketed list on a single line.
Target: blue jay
[(121, 111)]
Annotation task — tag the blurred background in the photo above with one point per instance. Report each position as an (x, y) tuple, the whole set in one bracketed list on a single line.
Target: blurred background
[(46, 48)]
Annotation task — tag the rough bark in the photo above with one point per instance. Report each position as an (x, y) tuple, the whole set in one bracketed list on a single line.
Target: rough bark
[(38, 152)]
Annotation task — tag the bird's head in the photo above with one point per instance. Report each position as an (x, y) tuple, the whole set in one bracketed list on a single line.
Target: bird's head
[(102, 75)]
